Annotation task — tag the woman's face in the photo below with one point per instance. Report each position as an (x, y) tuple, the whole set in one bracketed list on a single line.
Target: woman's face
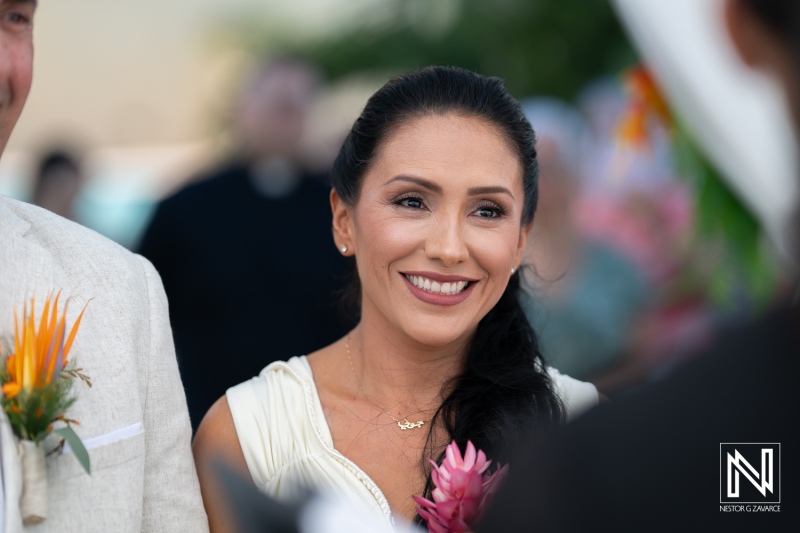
[(437, 227)]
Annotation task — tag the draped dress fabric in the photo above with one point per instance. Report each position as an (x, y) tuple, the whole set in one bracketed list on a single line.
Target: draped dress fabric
[(288, 446)]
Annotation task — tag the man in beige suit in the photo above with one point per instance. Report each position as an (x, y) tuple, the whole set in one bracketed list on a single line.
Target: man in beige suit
[(134, 421)]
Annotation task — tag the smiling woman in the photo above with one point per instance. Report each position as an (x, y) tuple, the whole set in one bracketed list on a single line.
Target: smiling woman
[(434, 192)]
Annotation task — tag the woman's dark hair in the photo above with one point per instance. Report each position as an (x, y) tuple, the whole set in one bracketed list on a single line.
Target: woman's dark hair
[(503, 390)]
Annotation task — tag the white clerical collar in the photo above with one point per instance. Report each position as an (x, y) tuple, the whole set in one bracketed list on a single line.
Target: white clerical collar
[(274, 178)]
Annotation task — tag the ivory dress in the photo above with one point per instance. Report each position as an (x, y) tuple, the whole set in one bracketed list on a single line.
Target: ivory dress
[(288, 446)]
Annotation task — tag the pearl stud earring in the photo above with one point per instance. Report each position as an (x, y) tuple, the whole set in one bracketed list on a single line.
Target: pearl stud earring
[(343, 248), (513, 269)]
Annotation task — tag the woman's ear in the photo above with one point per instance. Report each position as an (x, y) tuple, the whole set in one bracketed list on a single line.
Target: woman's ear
[(343, 231), (523, 239)]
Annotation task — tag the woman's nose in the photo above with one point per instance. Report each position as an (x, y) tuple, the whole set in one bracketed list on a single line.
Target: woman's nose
[(446, 243)]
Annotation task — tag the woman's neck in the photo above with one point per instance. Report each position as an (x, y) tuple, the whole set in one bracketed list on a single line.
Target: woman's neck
[(398, 373)]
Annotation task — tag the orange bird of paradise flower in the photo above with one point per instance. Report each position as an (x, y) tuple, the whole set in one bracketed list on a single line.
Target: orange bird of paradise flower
[(645, 101), (40, 353)]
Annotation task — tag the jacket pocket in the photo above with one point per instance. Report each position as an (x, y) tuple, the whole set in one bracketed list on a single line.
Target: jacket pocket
[(105, 451)]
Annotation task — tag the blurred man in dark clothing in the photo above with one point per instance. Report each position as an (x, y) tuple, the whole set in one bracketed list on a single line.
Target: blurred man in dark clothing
[(246, 253), (659, 461), (57, 182), (652, 462)]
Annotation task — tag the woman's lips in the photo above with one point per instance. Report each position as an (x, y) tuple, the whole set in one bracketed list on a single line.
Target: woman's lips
[(435, 276), (438, 289)]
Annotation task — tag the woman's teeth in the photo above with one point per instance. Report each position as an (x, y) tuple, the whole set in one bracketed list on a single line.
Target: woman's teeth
[(453, 287)]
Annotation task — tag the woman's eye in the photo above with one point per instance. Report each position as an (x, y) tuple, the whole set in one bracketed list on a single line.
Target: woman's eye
[(489, 212), (413, 203)]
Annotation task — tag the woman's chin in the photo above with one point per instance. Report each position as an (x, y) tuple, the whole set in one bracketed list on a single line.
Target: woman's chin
[(436, 335)]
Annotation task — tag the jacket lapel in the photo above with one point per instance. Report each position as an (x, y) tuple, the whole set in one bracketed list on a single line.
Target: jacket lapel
[(25, 266), (25, 271)]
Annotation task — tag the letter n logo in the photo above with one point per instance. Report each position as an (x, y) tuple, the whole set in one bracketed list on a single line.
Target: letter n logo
[(750, 472)]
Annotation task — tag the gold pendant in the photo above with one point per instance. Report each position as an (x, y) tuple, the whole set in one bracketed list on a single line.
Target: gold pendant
[(410, 425)]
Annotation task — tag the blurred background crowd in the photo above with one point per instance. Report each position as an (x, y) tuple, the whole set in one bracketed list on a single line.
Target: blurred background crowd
[(198, 133)]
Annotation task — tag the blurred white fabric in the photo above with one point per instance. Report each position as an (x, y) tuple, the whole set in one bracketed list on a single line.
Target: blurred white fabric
[(738, 116), (325, 515)]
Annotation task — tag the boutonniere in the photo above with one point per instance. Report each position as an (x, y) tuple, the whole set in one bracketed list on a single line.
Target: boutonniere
[(464, 489), (37, 381)]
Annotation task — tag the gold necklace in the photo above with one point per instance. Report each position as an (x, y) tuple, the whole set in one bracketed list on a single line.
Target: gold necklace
[(403, 424)]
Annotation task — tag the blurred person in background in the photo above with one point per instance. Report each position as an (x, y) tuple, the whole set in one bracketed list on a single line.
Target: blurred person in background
[(245, 252), (57, 182), (653, 462), (583, 296), (134, 419)]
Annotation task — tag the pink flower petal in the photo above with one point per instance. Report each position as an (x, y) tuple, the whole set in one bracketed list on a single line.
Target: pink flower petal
[(435, 524), (437, 527), (459, 524), (435, 477), (474, 486), (469, 456), (491, 485), (453, 456), (488, 479), (496, 479), (470, 509), (448, 509), (423, 502), (458, 482), (428, 517), (445, 485), (481, 463), (441, 496)]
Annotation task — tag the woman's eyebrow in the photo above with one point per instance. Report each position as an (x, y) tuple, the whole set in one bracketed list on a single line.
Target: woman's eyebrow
[(475, 191), (418, 181), (472, 191)]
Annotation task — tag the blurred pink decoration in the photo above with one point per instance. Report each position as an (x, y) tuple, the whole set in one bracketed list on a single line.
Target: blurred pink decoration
[(464, 489), (648, 227)]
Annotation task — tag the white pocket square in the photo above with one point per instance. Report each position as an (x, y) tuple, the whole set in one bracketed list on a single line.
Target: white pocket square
[(108, 438)]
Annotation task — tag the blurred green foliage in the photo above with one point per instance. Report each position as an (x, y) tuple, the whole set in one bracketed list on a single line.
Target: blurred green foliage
[(551, 47), (744, 270)]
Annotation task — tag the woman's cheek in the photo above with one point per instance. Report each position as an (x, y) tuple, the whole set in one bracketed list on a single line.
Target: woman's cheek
[(389, 236), (494, 250)]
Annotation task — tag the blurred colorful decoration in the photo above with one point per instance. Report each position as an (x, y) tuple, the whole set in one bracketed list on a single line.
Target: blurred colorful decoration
[(723, 225), (645, 101)]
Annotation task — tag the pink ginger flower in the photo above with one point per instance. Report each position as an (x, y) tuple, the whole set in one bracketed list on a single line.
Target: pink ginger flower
[(464, 488)]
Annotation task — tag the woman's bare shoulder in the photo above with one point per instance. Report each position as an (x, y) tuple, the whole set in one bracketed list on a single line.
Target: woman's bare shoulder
[(216, 440), (217, 436)]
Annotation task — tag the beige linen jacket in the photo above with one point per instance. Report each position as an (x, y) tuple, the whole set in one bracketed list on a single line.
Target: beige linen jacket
[(134, 419)]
